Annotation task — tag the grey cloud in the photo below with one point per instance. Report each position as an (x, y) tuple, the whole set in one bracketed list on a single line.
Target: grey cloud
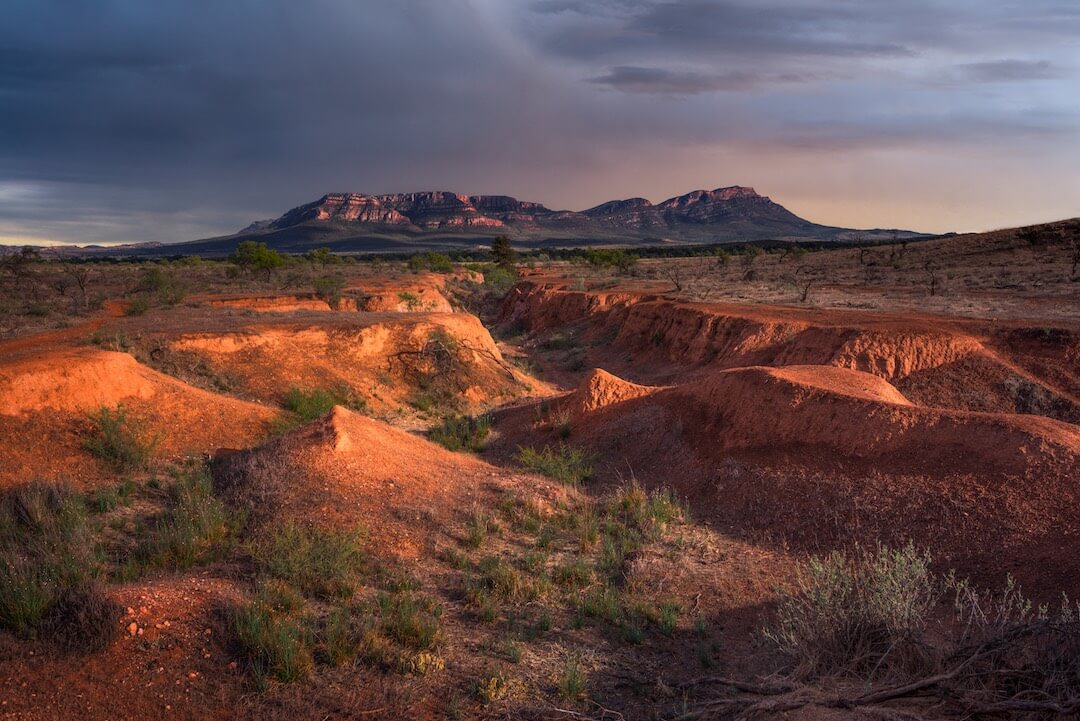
[(661, 81), (1007, 71)]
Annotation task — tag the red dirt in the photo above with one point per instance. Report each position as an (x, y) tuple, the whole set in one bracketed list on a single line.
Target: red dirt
[(45, 399), (347, 469), (649, 339)]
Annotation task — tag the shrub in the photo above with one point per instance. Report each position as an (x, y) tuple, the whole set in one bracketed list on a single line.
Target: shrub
[(84, 619), (49, 568), (564, 463), (499, 280), (310, 404), (436, 262), (328, 288), (855, 612), (272, 646), (463, 432), (319, 562), (137, 305), (256, 257), (478, 526), (118, 441)]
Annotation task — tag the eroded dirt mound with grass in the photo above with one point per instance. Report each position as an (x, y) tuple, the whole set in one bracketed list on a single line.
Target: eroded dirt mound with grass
[(53, 406), (345, 469)]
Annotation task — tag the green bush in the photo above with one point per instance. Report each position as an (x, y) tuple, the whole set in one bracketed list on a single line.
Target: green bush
[(499, 280), (436, 262), (463, 432), (118, 441), (564, 463), (610, 258), (320, 562), (411, 621), (309, 404)]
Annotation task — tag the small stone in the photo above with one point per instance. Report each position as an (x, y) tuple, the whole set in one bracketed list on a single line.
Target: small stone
[(133, 628)]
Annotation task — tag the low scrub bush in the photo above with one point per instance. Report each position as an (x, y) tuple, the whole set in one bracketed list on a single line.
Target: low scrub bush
[(410, 620), (436, 262), (319, 562), (118, 440), (564, 463), (857, 611), (463, 432)]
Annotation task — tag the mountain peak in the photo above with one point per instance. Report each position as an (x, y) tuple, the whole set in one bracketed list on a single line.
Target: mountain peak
[(729, 213)]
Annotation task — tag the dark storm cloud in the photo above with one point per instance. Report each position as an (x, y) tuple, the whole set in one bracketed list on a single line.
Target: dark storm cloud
[(164, 120)]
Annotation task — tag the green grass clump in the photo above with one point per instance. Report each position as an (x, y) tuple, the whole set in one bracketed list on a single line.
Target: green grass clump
[(458, 433), (319, 562), (194, 529), (572, 681), (274, 646), (118, 440), (49, 569), (309, 404), (410, 620), (564, 463)]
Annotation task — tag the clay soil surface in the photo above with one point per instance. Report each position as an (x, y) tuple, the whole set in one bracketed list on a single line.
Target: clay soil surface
[(360, 475)]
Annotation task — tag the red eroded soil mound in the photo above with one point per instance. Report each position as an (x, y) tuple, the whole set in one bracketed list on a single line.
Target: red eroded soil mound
[(1000, 368), (820, 456), (347, 469), (379, 356), (46, 400)]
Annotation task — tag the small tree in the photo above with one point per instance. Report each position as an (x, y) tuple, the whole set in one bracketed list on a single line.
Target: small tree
[(254, 256), (502, 252)]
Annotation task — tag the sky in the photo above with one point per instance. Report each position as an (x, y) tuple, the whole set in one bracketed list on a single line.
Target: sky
[(128, 120)]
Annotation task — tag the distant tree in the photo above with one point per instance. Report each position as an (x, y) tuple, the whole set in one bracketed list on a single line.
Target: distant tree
[(256, 257), (322, 256), (502, 252)]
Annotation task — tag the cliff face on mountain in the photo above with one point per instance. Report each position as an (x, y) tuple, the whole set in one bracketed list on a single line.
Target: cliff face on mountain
[(442, 211)]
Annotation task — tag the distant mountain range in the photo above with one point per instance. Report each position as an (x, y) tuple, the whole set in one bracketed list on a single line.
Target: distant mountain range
[(354, 222)]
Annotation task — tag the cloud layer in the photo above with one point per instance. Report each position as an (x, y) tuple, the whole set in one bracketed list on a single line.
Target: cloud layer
[(123, 120)]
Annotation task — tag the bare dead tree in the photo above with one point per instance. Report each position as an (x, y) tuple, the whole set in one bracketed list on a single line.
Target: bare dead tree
[(804, 278), (79, 273), (1075, 252), (673, 273), (931, 276)]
